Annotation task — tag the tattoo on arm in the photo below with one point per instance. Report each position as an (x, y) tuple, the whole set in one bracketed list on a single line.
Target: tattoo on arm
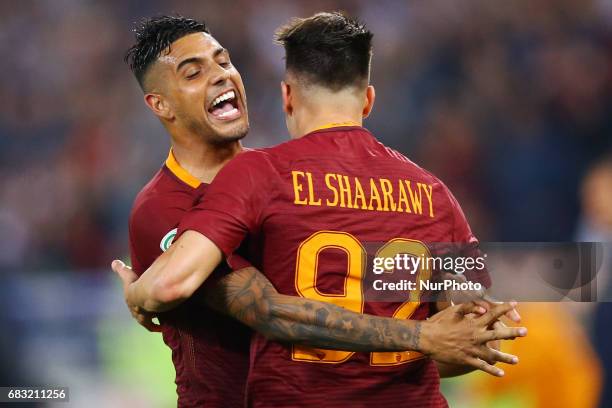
[(249, 297)]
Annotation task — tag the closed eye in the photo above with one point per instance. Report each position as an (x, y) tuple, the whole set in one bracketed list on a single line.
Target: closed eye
[(192, 75)]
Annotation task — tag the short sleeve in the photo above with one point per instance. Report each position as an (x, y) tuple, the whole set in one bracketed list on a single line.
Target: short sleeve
[(234, 202), (467, 243), (462, 233)]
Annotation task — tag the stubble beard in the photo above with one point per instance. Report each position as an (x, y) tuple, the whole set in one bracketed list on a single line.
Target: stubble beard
[(209, 135), (219, 140)]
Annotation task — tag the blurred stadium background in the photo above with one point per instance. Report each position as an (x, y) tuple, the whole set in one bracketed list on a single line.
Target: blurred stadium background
[(510, 103)]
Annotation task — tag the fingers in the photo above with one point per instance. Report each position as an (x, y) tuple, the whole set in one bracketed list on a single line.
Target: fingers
[(502, 333), (483, 304), (126, 273), (497, 311), (492, 356), (502, 357), (498, 324), (512, 314), (496, 344), (469, 307), (146, 321), (128, 276), (484, 366)]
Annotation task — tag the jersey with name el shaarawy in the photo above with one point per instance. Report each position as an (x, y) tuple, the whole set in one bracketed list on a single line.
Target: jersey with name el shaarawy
[(309, 210)]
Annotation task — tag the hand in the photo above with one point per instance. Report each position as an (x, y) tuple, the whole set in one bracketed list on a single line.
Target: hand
[(143, 317), (496, 344), (487, 302), (479, 297), (460, 333)]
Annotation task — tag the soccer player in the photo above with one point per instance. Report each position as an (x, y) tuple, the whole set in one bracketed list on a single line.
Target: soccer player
[(209, 351), (180, 74), (334, 186)]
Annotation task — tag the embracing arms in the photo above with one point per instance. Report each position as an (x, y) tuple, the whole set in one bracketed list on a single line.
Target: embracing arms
[(455, 336), (249, 297)]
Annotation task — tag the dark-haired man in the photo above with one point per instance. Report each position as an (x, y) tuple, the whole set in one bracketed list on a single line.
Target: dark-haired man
[(181, 83), (277, 197)]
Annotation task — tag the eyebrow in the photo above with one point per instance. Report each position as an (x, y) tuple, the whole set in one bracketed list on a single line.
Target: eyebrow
[(218, 51), (184, 62)]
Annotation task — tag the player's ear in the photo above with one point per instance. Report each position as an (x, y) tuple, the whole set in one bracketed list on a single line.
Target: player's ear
[(287, 98), (158, 105), (370, 96)]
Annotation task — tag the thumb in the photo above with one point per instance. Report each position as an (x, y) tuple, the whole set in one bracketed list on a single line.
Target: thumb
[(126, 273)]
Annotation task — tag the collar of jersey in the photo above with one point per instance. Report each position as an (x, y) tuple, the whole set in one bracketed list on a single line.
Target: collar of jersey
[(180, 172), (193, 181), (336, 124)]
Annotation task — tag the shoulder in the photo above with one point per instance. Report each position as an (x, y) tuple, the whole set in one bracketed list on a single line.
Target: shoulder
[(278, 152), (149, 197), (253, 165), (247, 182), (154, 217), (255, 156), (439, 188), (159, 205), (424, 174)]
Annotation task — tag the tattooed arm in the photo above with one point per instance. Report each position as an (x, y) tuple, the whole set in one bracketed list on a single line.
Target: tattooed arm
[(249, 297), (455, 336)]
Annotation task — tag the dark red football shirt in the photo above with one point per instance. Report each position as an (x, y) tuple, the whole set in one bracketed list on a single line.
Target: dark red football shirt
[(210, 352), (315, 211)]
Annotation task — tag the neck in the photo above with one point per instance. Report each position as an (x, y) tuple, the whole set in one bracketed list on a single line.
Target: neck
[(310, 124), (203, 160), (319, 109)]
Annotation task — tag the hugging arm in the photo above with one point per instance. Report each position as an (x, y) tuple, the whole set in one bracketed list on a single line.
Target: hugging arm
[(249, 297), (451, 337), (175, 275)]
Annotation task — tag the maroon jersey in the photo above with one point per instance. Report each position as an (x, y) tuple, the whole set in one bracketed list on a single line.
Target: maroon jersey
[(310, 208), (209, 351)]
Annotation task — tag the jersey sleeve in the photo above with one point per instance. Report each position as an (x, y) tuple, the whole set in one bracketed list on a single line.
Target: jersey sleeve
[(235, 202), (467, 243)]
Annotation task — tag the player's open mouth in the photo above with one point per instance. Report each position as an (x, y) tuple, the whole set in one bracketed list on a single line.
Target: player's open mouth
[(225, 107)]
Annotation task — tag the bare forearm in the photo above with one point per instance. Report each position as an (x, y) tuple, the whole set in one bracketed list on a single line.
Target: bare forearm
[(145, 293), (249, 297), (318, 324), (176, 274)]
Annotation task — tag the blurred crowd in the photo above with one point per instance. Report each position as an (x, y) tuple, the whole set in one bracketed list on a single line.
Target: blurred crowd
[(509, 103)]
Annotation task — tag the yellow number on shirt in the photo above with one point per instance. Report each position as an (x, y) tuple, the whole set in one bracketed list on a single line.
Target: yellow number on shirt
[(405, 311), (352, 297), (306, 279)]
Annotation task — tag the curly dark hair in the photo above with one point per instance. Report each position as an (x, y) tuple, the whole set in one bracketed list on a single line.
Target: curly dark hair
[(153, 36), (328, 49)]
